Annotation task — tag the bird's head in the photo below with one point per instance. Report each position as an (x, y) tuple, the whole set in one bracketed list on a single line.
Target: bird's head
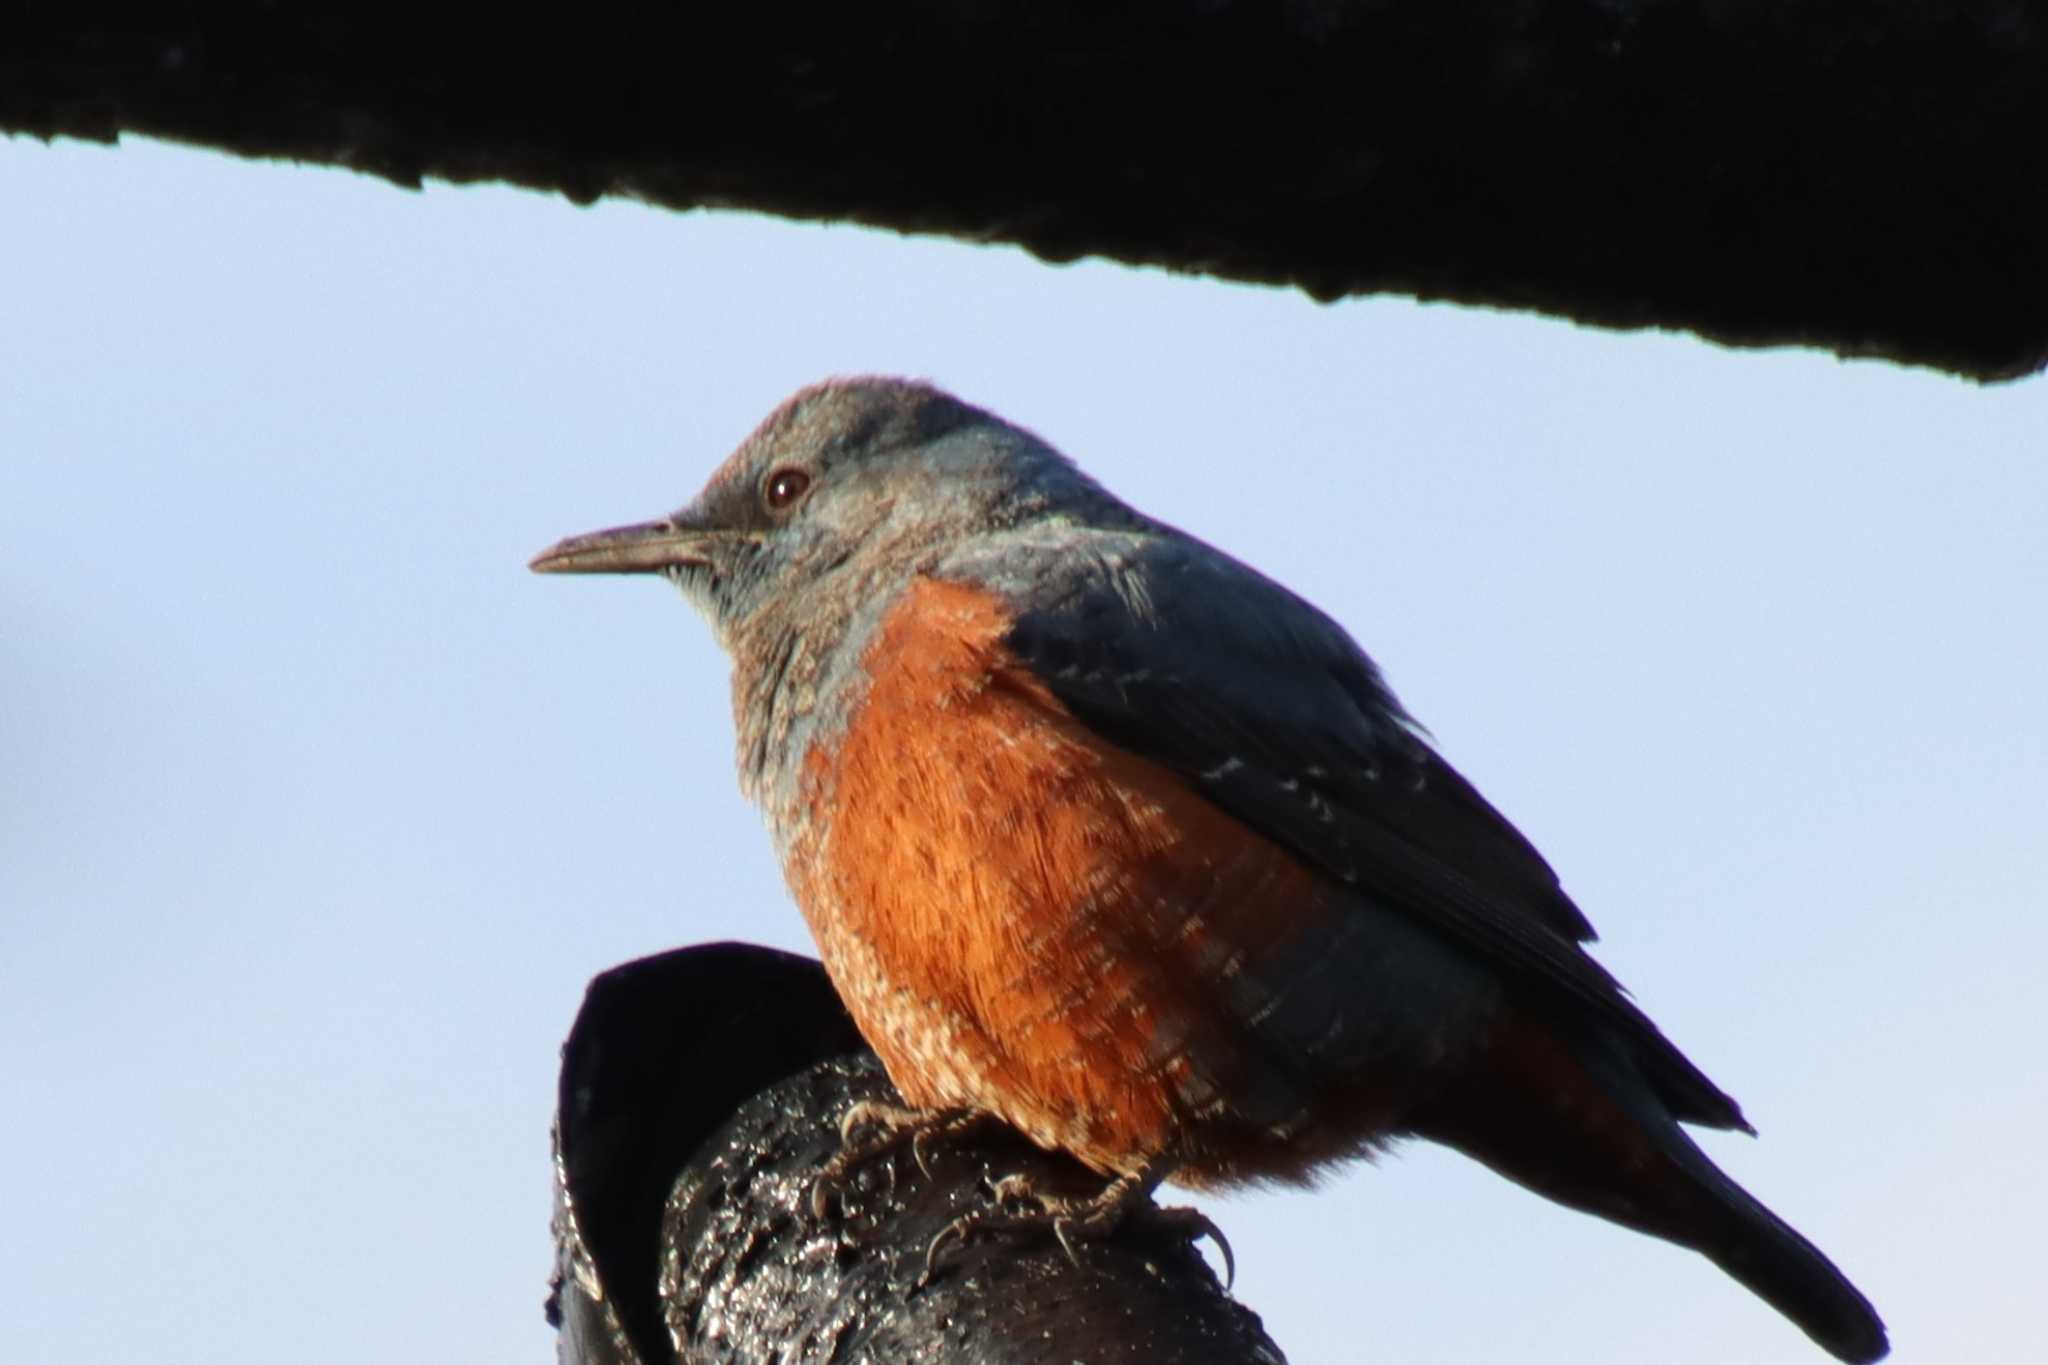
[(846, 484)]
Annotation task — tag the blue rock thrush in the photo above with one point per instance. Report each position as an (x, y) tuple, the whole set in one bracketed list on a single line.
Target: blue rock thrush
[(1104, 834)]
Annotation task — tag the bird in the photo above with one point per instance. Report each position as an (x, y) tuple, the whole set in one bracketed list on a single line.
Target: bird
[(1105, 835)]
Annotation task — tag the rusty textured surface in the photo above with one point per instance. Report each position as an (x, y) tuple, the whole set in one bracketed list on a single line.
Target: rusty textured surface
[(701, 1091)]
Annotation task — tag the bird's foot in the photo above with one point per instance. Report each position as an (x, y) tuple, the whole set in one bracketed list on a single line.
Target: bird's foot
[(1023, 1208), (871, 1129)]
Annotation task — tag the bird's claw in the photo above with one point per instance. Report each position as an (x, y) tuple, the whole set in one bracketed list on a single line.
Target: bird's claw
[(870, 1129), (1192, 1225), (1021, 1207)]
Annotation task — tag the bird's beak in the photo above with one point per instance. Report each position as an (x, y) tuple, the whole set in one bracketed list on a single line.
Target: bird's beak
[(649, 547)]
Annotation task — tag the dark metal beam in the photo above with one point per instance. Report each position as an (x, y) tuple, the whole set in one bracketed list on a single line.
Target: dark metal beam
[(1867, 177)]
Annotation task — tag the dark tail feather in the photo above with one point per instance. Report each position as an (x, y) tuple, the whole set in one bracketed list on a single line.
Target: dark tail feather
[(1782, 1268), (1610, 1147)]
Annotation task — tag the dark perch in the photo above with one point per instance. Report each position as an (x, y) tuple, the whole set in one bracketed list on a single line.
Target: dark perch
[(699, 1096), (1869, 178)]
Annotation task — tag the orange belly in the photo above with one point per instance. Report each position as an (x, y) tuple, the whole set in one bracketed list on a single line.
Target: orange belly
[(1022, 918)]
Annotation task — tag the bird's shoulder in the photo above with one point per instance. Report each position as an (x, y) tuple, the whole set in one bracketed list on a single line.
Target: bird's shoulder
[(1167, 641)]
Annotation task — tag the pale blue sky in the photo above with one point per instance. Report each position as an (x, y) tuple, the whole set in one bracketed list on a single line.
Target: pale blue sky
[(318, 810)]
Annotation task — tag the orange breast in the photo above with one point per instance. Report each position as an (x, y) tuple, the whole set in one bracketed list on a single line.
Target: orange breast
[(1021, 917)]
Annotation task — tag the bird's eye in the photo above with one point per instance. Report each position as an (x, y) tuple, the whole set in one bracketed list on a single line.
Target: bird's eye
[(784, 488)]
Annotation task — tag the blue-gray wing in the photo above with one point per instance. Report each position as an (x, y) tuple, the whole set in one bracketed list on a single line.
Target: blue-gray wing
[(1178, 653)]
